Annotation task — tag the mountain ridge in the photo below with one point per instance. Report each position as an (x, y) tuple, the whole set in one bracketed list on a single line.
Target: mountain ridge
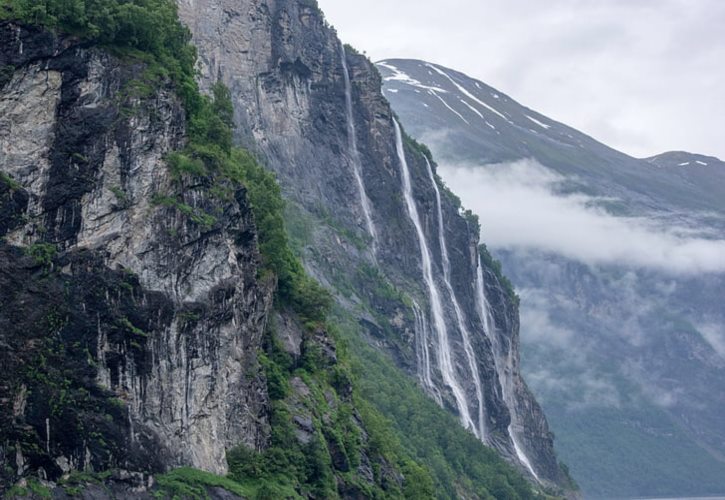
[(623, 352), (559, 146)]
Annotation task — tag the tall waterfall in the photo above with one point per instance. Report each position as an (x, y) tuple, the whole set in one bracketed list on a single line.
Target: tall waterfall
[(355, 153), (504, 373), (444, 354), (467, 347), (423, 353)]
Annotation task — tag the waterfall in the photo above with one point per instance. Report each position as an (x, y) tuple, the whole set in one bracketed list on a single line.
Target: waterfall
[(423, 353), (467, 347), (504, 373), (355, 153), (445, 362)]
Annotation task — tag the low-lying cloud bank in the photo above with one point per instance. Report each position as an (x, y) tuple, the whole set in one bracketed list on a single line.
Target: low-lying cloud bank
[(519, 208)]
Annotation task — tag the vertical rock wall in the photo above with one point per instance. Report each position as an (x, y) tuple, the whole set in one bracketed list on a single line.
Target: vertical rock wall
[(282, 63), (147, 321)]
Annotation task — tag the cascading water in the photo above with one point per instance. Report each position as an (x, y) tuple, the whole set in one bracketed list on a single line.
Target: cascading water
[(467, 347), (423, 353), (504, 375), (355, 153), (445, 362)]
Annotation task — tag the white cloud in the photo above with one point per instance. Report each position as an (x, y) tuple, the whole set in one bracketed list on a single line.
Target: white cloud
[(591, 389), (519, 209), (538, 327), (653, 390)]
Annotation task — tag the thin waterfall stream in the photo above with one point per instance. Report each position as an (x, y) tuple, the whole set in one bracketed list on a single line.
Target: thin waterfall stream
[(423, 353), (465, 334), (445, 361), (355, 154), (504, 379)]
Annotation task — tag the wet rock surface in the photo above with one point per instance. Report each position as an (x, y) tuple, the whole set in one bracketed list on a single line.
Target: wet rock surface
[(283, 65), (147, 322)]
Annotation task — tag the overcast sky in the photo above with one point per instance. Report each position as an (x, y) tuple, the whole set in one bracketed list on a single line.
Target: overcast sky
[(643, 76)]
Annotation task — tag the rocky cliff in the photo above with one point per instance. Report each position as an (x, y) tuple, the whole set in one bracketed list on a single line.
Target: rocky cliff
[(137, 325), (140, 326), (402, 256), (129, 329)]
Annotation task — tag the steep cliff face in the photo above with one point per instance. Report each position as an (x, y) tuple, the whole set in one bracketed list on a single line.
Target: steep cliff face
[(129, 328), (138, 328), (406, 265)]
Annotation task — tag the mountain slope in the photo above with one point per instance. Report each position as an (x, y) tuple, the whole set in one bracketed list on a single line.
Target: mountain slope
[(154, 316), (143, 295), (619, 263), (490, 127), (405, 265)]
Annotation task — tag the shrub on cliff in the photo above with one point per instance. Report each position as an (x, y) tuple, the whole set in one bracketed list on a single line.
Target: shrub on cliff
[(150, 27)]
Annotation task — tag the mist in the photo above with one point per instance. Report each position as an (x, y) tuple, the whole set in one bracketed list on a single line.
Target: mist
[(519, 208)]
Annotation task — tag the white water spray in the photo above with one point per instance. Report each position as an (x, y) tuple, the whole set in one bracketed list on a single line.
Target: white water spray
[(467, 347), (445, 362), (423, 353), (504, 373), (355, 153)]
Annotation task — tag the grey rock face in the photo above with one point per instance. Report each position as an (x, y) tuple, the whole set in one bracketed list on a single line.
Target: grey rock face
[(86, 158), (282, 63)]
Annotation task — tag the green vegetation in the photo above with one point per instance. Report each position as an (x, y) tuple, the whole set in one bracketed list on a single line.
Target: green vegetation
[(189, 483), (296, 289), (494, 265), (33, 489), (42, 253), (129, 327), (209, 156), (74, 484), (454, 464), (9, 181), (120, 195), (383, 288), (291, 469), (458, 463), (195, 215), (149, 28)]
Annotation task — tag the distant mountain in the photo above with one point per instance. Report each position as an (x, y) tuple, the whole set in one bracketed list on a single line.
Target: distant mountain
[(620, 265), (682, 159)]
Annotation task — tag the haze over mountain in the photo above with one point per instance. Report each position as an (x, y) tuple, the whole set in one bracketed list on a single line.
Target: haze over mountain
[(620, 265)]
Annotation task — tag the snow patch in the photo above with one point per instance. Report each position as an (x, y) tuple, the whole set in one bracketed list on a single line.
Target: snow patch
[(701, 163), (433, 93), (467, 93), (400, 76), (683, 164), (472, 109), (539, 123)]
